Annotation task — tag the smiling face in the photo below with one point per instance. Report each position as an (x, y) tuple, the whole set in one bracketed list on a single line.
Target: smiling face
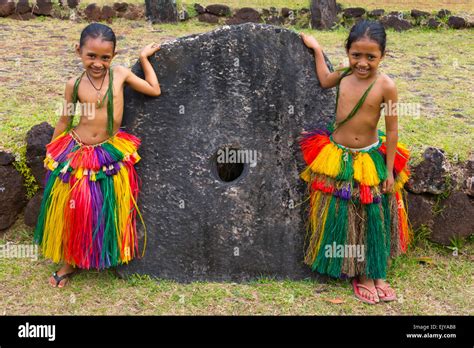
[(96, 55), (364, 57)]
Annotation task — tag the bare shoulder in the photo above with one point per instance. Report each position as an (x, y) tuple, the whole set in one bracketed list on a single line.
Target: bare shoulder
[(70, 83), (389, 88), (387, 83), (121, 71), (70, 87)]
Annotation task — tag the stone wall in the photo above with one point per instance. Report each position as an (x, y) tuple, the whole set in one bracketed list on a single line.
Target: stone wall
[(223, 14)]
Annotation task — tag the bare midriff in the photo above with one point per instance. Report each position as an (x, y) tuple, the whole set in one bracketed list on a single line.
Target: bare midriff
[(92, 126), (361, 130)]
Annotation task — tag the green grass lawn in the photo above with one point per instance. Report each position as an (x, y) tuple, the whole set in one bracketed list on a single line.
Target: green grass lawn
[(430, 68), (441, 285)]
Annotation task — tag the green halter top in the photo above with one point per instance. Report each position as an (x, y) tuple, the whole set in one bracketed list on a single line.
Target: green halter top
[(346, 72), (110, 102)]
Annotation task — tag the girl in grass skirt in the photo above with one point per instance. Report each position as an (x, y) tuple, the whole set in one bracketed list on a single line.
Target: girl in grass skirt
[(355, 174)]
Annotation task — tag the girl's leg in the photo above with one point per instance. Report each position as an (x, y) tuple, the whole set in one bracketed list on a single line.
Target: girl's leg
[(368, 282), (384, 289), (65, 269)]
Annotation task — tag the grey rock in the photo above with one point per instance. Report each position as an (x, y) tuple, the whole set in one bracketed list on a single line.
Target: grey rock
[(419, 14), (6, 158), (457, 22), (208, 18), (133, 12), (430, 175), (275, 20), (455, 219), (107, 13), (353, 12), (377, 13), (120, 6), (218, 10), (7, 8), (396, 23), (443, 13), (323, 14), (226, 88), (245, 15), (433, 23), (92, 13), (32, 209), (72, 3), (161, 11), (22, 7), (43, 8), (199, 9), (285, 12), (420, 210), (36, 139), (12, 194)]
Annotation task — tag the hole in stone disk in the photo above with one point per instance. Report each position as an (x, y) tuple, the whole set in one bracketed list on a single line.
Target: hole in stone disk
[(226, 169), (229, 171)]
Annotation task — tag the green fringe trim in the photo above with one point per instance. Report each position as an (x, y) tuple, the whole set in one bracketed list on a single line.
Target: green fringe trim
[(113, 152), (387, 222), (347, 169), (100, 175), (75, 99), (379, 164), (335, 231), (110, 244), (110, 104), (45, 203), (376, 255)]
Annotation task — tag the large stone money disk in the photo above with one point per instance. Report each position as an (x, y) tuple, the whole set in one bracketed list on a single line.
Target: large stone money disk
[(237, 94)]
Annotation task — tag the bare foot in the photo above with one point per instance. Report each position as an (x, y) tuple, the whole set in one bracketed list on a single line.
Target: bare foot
[(384, 290), (372, 296), (66, 269)]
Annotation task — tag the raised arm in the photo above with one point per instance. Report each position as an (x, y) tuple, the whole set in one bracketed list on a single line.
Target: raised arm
[(149, 86), (326, 78)]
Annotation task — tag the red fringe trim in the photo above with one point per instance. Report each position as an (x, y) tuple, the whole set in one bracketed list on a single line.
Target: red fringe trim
[(312, 146)]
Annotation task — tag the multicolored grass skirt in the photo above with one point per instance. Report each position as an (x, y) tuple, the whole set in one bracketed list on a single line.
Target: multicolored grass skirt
[(89, 207), (348, 208)]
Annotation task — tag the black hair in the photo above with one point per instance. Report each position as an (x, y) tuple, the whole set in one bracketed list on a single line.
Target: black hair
[(96, 30), (373, 30)]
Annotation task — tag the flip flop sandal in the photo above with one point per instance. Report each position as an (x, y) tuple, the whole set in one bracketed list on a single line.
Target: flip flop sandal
[(59, 278), (357, 293), (384, 297)]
